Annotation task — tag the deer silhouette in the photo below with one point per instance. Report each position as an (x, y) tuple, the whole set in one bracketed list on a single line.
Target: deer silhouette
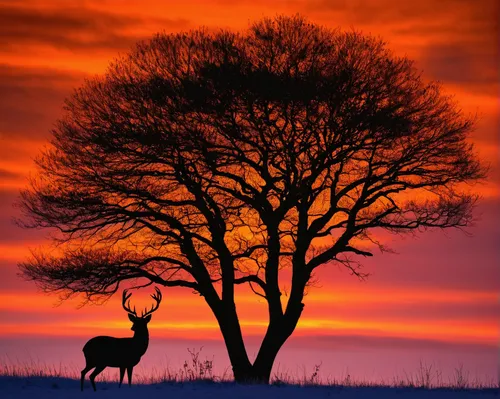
[(101, 352)]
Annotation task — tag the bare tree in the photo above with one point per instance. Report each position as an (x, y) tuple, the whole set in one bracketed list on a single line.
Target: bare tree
[(208, 160)]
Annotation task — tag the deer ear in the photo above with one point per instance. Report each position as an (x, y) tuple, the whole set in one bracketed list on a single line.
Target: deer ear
[(132, 318), (147, 318)]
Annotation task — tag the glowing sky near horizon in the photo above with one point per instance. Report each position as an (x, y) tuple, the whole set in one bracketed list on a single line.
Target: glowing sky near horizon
[(439, 288)]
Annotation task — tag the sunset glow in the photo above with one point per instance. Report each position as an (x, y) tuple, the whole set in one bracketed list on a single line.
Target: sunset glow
[(439, 287)]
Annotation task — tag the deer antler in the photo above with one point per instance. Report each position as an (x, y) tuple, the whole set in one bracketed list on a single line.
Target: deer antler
[(157, 297), (126, 306)]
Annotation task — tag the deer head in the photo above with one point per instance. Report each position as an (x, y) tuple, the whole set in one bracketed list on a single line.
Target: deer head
[(140, 322)]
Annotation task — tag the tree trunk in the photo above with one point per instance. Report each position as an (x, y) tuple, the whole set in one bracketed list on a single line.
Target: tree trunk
[(276, 336), (233, 338), (280, 328), (263, 365), (258, 373), (253, 375), (244, 372)]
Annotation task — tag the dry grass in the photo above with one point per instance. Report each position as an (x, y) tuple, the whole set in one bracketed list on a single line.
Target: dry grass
[(427, 376)]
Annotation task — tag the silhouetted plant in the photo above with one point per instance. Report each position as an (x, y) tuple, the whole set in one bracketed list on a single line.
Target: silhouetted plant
[(460, 379), (197, 369), (209, 160), (314, 378), (424, 375)]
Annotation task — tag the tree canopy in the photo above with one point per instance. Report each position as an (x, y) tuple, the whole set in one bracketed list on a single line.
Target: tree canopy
[(208, 160)]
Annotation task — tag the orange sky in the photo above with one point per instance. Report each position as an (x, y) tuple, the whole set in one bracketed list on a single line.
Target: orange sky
[(440, 287)]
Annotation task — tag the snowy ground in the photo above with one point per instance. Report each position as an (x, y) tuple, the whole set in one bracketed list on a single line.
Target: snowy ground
[(64, 388)]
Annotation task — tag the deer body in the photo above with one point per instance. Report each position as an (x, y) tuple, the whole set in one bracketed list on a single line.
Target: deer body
[(103, 351), (115, 352)]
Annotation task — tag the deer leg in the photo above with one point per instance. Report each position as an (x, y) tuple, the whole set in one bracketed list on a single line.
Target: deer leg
[(98, 370), (129, 374), (84, 371), (122, 374)]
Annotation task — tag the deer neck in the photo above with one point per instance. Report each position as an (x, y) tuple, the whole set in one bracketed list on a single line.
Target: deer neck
[(142, 340)]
